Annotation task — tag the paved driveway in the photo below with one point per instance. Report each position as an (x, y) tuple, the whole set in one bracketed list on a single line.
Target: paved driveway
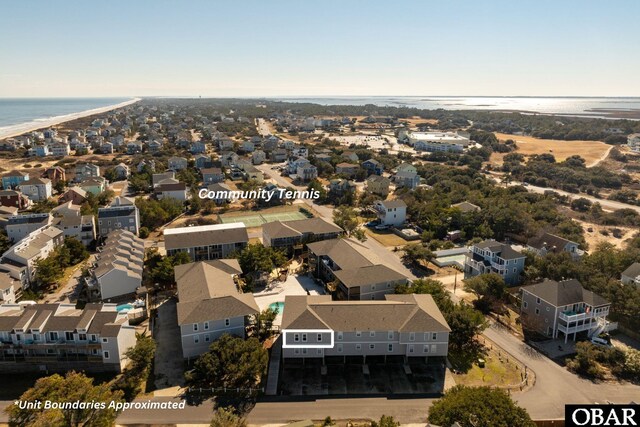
[(169, 365)]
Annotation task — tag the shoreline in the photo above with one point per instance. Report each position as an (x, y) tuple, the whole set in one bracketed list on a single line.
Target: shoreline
[(12, 131)]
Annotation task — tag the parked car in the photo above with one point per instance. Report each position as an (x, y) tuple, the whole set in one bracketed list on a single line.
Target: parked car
[(601, 341), (382, 227)]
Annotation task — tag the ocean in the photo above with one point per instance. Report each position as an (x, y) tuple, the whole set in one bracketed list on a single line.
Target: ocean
[(14, 111), (570, 106)]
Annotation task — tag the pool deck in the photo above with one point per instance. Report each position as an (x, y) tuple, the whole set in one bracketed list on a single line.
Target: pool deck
[(277, 291)]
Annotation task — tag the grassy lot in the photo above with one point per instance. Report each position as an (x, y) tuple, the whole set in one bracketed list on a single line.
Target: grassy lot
[(498, 371), (386, 238)]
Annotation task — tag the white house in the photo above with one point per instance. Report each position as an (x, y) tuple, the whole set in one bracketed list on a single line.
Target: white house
[(37, 189), (391, 212)]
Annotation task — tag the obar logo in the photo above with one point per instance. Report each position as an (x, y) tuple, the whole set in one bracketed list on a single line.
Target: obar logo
[(601, 415)]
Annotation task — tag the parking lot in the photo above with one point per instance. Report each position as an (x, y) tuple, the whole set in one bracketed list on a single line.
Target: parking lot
[(297, 379)]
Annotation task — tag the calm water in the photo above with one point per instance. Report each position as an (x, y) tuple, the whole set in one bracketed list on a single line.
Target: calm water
[(547, 105), (15, 111)]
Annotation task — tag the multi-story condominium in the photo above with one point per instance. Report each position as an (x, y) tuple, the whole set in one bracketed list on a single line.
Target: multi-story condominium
[(400, 325), (20, 226), (117, 271), (212, 176), (490, 256), (10, 288), (210, 304), (379, 185), (207, 242), (290, 235), (20, 259), (347, 267), (565, 307), (437, 141), (550, 243), (633, 141), (86, 171), (13, 198), (12, 179), (37, 189), (59, 337), (391, 212), (177, 163), (123, 214), (60, 149), (631, 276), (80, 227)]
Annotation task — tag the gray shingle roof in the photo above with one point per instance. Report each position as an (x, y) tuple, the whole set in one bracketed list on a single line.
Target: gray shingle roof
[(565, 293)]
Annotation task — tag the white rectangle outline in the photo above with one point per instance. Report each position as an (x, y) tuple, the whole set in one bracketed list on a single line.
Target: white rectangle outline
[(309, 344)]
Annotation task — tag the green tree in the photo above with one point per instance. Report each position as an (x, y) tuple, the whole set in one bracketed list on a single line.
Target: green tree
[(346, 218), (136, 374), (5, 243), (48, 271), (465, 323), (486, 286), (478, 406), (385, 421), (432, 287), (73, 386), (415, 253), (77, 251), (265, 322), (257, 258), (227, 417), (231, 362)]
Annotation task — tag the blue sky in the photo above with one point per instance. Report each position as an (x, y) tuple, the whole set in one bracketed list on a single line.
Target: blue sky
[(307, 48)]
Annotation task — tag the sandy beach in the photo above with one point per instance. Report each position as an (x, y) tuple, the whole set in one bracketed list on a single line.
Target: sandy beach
[(19, 129)]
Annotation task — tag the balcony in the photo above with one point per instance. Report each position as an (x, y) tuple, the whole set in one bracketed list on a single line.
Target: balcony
[(572, 316)]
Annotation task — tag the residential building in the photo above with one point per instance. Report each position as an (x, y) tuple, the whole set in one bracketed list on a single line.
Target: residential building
[(373, 167), (466, 207), (490, 256), (177, 163), (117, 271), (391, 212), (55, 174), (351, 270), (339, 187), (20, 226), (633, 141), (86, 171), (10, 288), (75, 194), (219, 189), (158, 177), (291, 235), (258, 157), (122, 171), (406, 179), (552, 307), (278, 155), (22, 256), (202, 161), (206, 242), (212, 176), (294, 164), (347, 169), (350, 155), (198, 147), (94, 186), (379, 185), (37, 189), (550, 243), (60, 337), (40, 150), (12, 179), (631, 275), (60, 149), (210, 304), (121, 214), (178, 191), (406, 326), (406, 167), (80, 227), (229, 158), (134, 147), (14, 198)]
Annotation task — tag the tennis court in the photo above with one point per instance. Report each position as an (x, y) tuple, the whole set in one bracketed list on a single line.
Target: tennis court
[(256, 220)]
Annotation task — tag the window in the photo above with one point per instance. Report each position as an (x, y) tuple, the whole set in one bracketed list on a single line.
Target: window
[(433, 348), (340, 336), (68, 336), (390, 348), (339, 348), (412, 336), (196, 339), (53, 336), (304, 351), (358, 347), (411, 348), (296, 337), (319, 337), (547, 308), (537, 311), (537, 300), (195, 326), (206, 325), (82, 337), (358, 333), (525, 305), (434, 336), (227, 322), (319, 351), (372, 346), (372, 334), (425, 349), (296, 351), (93, 338), (390, 335), (207, 338), (105, 339), (106, 354), (304, 337)]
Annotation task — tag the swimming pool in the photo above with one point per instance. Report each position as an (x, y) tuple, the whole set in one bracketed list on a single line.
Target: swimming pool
[(278, 306), (123, 307)]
